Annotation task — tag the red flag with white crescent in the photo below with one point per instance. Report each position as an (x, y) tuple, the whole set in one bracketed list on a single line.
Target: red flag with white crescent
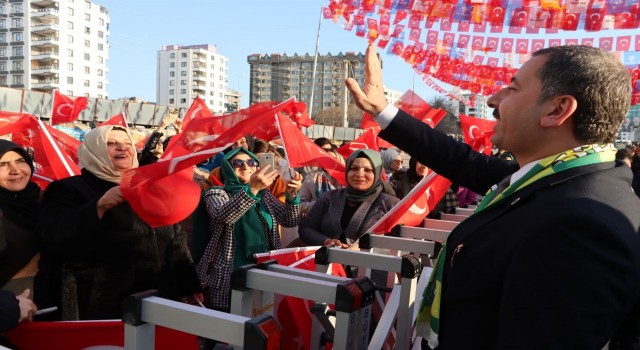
[(66, 109), (415, 206), (301, 151), (198, 109), (477, 133), (118, 120)]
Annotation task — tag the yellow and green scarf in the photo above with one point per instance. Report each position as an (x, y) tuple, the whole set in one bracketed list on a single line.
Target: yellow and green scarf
[(428, 321)]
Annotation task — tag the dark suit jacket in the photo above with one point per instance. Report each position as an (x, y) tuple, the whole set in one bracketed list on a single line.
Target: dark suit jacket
[(556, 266)]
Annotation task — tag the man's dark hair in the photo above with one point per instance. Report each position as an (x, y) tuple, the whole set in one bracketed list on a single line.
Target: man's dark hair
[(597, 80)]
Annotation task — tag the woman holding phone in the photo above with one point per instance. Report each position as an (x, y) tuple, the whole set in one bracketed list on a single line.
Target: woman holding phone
[(243, 220)]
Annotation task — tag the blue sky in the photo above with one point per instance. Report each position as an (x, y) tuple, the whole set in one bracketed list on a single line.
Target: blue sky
[(238, 28)]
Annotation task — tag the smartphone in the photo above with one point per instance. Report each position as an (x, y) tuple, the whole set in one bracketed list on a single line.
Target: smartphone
[(267, 159)]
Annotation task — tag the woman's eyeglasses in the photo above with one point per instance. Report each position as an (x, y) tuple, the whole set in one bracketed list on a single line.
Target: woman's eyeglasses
[(237, 163)]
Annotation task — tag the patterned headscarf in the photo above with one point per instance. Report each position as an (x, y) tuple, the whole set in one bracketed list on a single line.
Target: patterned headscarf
[(93, 154), (354, 195)]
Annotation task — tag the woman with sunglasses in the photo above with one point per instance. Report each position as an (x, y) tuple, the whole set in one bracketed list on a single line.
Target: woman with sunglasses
[(243, 220)]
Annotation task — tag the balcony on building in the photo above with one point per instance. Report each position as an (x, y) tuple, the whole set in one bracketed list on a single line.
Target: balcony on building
[(199, 58), (42, 71), (199, 76), (44, 42), (45, 84), (44, 53), (45, 3), (45, 28), (201, 67), (44, 13)]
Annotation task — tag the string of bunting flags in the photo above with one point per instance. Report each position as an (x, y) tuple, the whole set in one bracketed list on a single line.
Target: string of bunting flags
[(457, 41)]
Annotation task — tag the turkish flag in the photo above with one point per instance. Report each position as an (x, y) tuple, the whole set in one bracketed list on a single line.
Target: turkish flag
[(507, 45), (396, 47), (298, 113), (537, 44), (623, 43), (496, 14), (414, 34), (67, 144), (65, 109), (118, 120), (555, 42), (326, 13), (415, 206), (477, 133), (522, 46), (163, 193), (463, 40), (301, 151), (400, 15), (492, 44), (397, 30), (368, 140), (78, 335), (477, 43), (606, 43), (432, 37), (594, 19), (445, 24), (198, 109), (569, 21), (571, 41), (414, 21), (519, 18), (480, 27)]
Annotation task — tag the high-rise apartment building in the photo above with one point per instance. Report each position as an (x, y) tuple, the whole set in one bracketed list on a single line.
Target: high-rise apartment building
[(478, 109), (392, 96), (48, 45), (277, 77), (185, 72)]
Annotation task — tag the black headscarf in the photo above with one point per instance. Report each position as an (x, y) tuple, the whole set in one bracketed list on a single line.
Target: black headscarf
[(21, 207)]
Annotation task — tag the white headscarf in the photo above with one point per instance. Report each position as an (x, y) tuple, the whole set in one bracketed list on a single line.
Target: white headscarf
[(93, 154)]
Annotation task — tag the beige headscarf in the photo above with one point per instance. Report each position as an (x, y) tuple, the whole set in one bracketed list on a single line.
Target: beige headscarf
[(93, 155)]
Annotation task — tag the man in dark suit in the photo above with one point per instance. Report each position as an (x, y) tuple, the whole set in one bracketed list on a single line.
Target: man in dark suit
[(550, 260)]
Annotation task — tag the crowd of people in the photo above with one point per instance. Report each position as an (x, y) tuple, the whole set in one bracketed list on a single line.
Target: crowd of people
[(550, 259)]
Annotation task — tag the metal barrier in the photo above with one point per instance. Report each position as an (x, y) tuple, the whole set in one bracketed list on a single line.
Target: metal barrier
[(143, 311), (352, 300), (407, 266)]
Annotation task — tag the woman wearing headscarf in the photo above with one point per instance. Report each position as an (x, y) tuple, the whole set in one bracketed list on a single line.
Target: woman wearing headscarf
[(95, 250), (391, 161), (19, 205), (243, 220), (341, 216)]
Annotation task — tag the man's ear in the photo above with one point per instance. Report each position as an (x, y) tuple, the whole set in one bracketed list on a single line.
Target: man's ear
[(558, 110)]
